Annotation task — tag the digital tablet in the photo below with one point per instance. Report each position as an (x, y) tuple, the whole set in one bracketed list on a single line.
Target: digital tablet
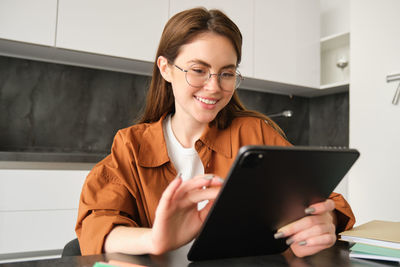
[(267, 188)]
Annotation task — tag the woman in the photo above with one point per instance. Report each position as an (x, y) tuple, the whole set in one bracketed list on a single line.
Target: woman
[(143, 197)]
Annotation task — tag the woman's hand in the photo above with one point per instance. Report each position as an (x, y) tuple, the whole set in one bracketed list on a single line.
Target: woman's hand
[(177, 219), (312, 233)]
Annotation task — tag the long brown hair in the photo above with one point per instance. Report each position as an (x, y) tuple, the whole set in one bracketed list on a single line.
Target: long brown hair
[(181, 29)]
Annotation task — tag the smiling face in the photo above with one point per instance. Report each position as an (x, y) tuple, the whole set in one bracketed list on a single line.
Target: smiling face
[(200, 104)]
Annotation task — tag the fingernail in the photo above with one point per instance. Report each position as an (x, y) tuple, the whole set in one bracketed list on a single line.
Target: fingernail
[(279, 235), (221, 180), (309, 210), (302, 243), (178, 175), (209, 176), (289, 241)]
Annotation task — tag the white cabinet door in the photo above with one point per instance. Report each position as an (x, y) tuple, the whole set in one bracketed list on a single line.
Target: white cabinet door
[(38, 208), (241, 12), (286, 45), (122, 28), (30, 21)]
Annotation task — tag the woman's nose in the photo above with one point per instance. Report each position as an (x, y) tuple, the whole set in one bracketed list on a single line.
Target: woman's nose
[(212, 83)]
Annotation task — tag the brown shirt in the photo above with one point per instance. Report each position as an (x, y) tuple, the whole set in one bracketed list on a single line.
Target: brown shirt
[(125, 187)]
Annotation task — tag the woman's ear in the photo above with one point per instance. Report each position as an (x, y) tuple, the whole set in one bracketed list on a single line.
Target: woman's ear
[(164, 68)]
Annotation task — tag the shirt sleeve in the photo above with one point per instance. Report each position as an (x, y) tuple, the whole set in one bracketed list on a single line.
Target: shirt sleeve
[(106, 200), (271, 136), (344, 214)]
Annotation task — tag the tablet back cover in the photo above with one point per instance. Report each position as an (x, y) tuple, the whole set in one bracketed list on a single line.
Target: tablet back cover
[(267, 188)]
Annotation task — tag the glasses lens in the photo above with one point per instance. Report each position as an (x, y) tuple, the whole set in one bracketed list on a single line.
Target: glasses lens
[(229, 80), (197, 75), (239, 79)]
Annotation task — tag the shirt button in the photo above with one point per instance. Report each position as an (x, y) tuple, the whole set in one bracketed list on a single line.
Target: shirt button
[(198, 144)]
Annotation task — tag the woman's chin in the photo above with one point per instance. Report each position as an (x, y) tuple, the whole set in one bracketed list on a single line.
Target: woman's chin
[(206, 118)]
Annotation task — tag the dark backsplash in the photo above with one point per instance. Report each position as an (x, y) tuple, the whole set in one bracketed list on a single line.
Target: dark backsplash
[(47, 107), (296, 127), (329, 120), (317, 121)]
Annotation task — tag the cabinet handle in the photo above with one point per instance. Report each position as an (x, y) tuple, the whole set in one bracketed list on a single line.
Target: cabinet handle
[(391, 78), (396, 97)]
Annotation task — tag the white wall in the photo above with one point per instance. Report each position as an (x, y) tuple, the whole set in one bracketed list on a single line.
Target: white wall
[(374, 183)]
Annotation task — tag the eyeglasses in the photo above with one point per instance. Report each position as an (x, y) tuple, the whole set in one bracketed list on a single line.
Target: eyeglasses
[(198, 75)]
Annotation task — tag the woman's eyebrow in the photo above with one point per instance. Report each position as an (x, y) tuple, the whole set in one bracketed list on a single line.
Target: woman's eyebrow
[(199, 61)]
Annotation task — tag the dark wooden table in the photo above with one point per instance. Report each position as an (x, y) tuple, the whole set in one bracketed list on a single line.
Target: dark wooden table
[(336, 256)]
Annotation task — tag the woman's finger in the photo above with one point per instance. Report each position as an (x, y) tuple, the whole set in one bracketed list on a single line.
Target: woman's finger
[(217, 181), (197, 183), (326, 240), (303, 224), (169, 192), (321, 207), (204, 194), (316, 230)]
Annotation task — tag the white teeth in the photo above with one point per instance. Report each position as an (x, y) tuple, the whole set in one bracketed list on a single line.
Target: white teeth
[(207, 101)]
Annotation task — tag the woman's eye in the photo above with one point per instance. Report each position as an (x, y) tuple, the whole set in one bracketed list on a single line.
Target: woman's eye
[(199, 71), (227, 75)]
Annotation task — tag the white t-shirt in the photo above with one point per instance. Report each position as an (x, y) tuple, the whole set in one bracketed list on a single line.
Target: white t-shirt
[(186, 160)]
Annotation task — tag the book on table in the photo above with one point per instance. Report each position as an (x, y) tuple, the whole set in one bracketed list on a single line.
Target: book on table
[(379, 233), (375, 240), (365, 251)]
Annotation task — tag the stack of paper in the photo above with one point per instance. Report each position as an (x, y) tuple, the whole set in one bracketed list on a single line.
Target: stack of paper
[(378, 240)]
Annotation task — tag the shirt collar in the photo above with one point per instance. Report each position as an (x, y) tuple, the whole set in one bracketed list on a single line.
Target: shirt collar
[(153, 149), (218, 140)]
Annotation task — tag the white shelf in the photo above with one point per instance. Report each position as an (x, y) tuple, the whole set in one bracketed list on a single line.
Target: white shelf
[(334, 88), (75, 58), (334, 36), (334, 48), (334, 41), (344, 84)]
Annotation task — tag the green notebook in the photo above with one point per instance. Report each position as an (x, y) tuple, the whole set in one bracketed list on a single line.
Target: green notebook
[(103, 264), (374, 252)]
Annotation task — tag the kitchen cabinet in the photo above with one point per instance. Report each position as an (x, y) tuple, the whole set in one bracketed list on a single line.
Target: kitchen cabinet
[(241, 12), (38, 209), (28, 21), (286, 42), (121, 28), (335, 43), (281, 40)]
